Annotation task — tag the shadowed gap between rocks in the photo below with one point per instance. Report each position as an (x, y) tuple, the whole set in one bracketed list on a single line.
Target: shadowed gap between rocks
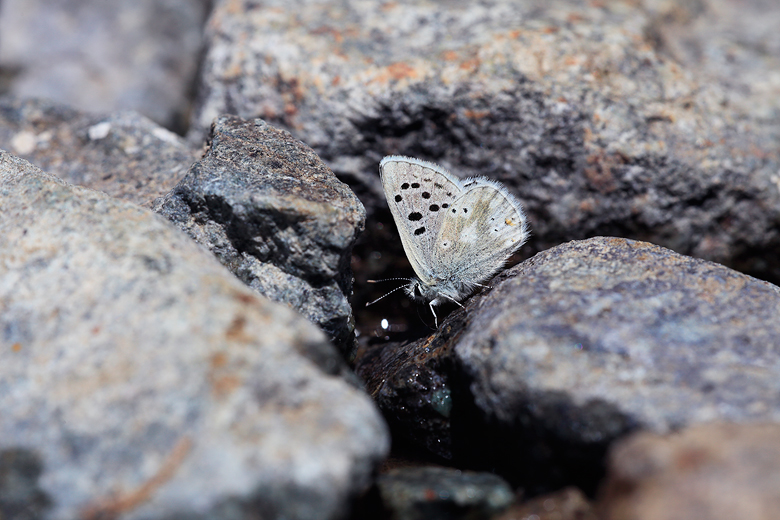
[(550, 443), (21, 498), (533, 451)]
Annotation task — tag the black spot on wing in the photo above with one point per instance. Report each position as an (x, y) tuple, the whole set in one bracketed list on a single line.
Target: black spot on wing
[(415, 185), (419, 231), (426, 195), (405, 186), (415, 216), (398, 198), (433, 207)]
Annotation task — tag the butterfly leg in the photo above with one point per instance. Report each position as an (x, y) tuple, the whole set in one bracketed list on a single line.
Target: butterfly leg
[(435, 301)]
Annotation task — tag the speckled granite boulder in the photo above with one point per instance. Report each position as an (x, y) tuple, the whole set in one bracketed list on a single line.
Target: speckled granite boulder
[(579, 108), (275, 215), (715, 471), (123, 154), (141, 380), (105, 55)]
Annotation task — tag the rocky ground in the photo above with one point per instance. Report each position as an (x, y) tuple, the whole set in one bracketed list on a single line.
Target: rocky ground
[(190, 212)]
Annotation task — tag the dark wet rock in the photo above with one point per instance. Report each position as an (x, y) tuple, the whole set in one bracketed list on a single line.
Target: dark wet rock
[(276, 216), (714, 471), (105, 55), (410, 381), (579, 108), (123, 154), (579, 346), (566, 504), (434, 493), (140, 379)]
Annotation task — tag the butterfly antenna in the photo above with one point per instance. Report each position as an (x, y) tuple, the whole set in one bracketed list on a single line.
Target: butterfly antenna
[(386, 294), (389, 280)]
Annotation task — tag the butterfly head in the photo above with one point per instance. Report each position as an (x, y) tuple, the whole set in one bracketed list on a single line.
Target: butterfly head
[(434, 294), (419, 291)]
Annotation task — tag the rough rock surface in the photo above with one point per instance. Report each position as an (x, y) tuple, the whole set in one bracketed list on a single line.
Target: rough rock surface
[(123, 154), (580, 108), (714, 471), (140, 379), (277, 217), (582, 344), (566, 504), (105, 55), (434, 493)]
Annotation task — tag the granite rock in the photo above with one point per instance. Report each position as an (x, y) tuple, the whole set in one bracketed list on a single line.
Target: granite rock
[(276, 216), (581, 345), (565, 504), (105, 55), (122, 154), (141, 380), (715, 471), (437, 493), (579, 108)]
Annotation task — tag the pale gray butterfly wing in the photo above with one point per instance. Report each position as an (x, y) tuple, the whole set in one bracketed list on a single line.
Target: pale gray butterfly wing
[(419, 194), (482, 227)]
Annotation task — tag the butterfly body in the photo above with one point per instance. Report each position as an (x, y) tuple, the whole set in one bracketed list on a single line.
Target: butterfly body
[(456, 233)]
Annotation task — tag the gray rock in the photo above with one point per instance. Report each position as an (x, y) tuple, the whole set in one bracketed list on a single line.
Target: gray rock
[(105, 56), (140, 379), (733, 42), (277, 217), (714, 471), (584, 343), (665, 339), (566, 504), (123, 154), (435, 493), (572, 105)]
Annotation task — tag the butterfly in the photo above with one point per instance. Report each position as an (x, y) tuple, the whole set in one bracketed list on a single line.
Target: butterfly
[(456, 233)]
